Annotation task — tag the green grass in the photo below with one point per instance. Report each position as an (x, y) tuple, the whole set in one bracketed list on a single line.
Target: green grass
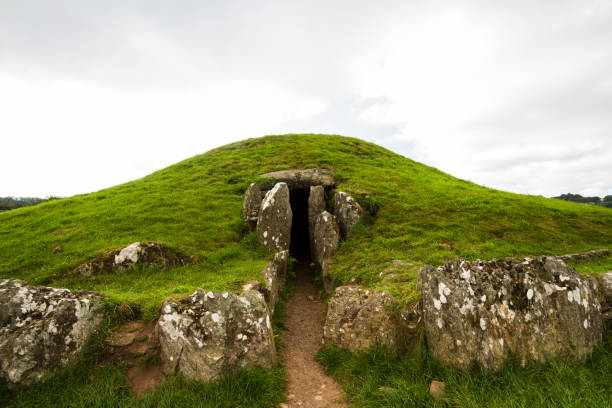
[(86, 386), (556, 384), (419, 214)]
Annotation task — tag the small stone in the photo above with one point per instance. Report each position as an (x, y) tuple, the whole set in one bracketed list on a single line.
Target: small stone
[(318, 398), (436, 389), (311, 298), (250, 285)]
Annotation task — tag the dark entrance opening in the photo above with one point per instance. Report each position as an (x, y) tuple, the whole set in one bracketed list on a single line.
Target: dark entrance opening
[(300, 238)]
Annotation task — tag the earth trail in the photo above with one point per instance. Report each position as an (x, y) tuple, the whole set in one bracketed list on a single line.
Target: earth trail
[(307, 385)]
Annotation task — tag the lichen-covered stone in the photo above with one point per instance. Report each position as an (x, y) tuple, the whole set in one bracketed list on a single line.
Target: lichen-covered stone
[(348, 212), (586, 256), (605, 288), (534, 309), (326, 237), (209, 334), (43, 329), (303, 178), (359, 318), (316, 205), (275, 216), (251, 205), (138, 253), (274, 276)]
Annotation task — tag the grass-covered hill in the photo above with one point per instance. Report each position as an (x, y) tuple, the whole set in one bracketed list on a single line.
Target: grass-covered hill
[(415, 213)]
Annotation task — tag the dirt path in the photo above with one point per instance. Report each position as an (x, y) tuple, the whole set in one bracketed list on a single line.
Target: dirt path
[(308, 386)]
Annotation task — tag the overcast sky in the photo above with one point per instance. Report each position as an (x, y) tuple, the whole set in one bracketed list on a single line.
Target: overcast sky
[(515, 95)]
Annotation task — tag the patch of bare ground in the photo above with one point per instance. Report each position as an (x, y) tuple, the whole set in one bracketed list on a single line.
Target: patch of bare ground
[(307, 384), (135, 344)]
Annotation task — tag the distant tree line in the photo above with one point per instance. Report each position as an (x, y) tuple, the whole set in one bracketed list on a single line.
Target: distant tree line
[(10, 203), (577, 198)]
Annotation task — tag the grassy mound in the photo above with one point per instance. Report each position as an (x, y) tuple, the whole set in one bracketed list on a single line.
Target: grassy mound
[(414, 213)]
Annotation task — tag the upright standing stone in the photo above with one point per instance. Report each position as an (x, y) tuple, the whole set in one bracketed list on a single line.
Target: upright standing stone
[(534, 309), (251, 205), (348, 212), (43, 329), (605, 287), (274, 276), (316, 205), (209, 334), (326, 237), (275, 216)]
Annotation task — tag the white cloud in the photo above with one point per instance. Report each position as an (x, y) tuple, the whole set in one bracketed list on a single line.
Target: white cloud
[(514, 95)]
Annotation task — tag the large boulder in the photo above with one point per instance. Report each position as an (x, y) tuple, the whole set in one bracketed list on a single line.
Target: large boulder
[(275, 216), (274, 276), (209, 334), (326, 237), (303, 178), (358, 319), (43, 329), (484, 312), (138, 253), (605, 287), (316, 205), (251, 205), (348, 212)]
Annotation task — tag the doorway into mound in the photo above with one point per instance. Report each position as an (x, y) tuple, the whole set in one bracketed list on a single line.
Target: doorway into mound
[(300, 236)]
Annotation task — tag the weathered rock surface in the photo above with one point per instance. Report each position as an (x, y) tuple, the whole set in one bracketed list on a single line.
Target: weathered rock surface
[(209, 334), (348, 213), (275, 216), (605, 288), (483, 312), (138, 253), (305, 178), (326, 237), (358, 318), (327, 278), (586, 256), (251, 205), (43, 329), (316, 205), (274, 276)]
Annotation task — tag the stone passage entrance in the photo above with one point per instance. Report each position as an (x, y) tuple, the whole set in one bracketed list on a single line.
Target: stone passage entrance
[(300, 237)]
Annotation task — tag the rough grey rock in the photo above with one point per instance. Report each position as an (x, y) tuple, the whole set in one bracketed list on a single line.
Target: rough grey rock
[(251, 205), (275, 216), (535, 309), (316, 205), (209, 334), (274, 276), (138, 253), (305, 178), (605, 288), (326, 237), (327, 278), (348, 213), (358, 319), (43, 329), (586, 256)]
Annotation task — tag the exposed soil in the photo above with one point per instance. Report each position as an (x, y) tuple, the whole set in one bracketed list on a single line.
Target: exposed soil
[(307, 386), (135, 344)]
